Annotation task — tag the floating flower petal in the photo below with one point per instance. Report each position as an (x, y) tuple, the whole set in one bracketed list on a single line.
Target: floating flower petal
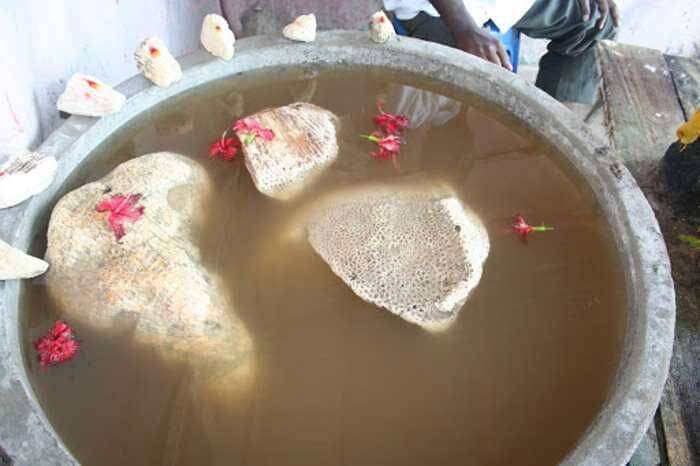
[(390, 123), (225, 148), (389, 145), (251, 128), (521, 227), (122, 209), (57, 346)]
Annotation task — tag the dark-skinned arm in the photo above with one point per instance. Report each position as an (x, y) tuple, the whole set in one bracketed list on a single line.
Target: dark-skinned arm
[(471, 37)]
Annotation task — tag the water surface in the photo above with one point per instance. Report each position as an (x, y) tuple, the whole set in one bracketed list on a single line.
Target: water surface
[(516, 380)]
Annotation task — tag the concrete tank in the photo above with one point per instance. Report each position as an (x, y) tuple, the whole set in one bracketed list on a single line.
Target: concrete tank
[(27, 435)]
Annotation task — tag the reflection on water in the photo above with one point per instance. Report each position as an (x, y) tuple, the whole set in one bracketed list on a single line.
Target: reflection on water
[(516, 380), (422, 107)]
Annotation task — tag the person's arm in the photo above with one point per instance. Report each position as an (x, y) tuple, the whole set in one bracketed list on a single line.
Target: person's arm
[(471, 37)]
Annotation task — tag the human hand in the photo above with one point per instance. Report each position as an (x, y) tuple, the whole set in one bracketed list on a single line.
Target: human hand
[(606, 8), (483, 44)]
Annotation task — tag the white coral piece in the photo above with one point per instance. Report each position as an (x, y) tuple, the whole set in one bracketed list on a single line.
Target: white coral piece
[(217, 36), (16, 264), (24, 176), (88, 96), (302, 29), (380, 28), (418, 254), (157, 63)]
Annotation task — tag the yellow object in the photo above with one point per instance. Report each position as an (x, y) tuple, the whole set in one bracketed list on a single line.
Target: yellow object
[(689, 131)]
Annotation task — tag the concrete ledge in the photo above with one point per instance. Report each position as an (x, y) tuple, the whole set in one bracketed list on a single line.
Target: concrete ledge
[(29, 439)]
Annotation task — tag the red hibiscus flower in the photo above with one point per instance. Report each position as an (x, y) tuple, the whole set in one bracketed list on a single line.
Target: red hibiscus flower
[(521, 227), (57, 346), (390, 123), (389, 145), (251, 129), (122, 209), (225, 148)]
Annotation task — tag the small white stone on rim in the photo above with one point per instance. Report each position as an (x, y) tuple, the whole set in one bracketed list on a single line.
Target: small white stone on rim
[(217, 37), (157, 63), (302, 29), (88, 96), (380, 28), (15, 264), (25, 175)]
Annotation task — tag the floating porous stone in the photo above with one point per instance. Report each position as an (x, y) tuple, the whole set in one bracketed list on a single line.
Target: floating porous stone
[(25, 175), (302, 29), (153, 278), (86, 95), (304, 144), (217, 36), (156, 63), (417, 254)]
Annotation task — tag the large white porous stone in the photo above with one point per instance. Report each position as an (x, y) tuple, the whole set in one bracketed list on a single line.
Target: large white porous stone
[(304, 145), (153, 279), (416, 253)]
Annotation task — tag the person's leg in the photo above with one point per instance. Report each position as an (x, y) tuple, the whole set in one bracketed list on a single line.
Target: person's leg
[(429, 28), (568, 71)]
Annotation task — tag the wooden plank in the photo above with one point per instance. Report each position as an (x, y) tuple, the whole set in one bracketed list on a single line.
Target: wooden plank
[(642, 109), (680, 406), (676, 440), (686, 76), (646, 97)]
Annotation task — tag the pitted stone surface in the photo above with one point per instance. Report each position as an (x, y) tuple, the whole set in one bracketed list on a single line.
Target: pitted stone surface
[(304, 145), (415, 255)]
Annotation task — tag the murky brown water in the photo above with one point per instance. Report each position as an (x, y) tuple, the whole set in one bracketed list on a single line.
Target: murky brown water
[(516, 380)]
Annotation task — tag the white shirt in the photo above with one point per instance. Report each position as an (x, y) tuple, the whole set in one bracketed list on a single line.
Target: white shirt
[(504, 13)]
